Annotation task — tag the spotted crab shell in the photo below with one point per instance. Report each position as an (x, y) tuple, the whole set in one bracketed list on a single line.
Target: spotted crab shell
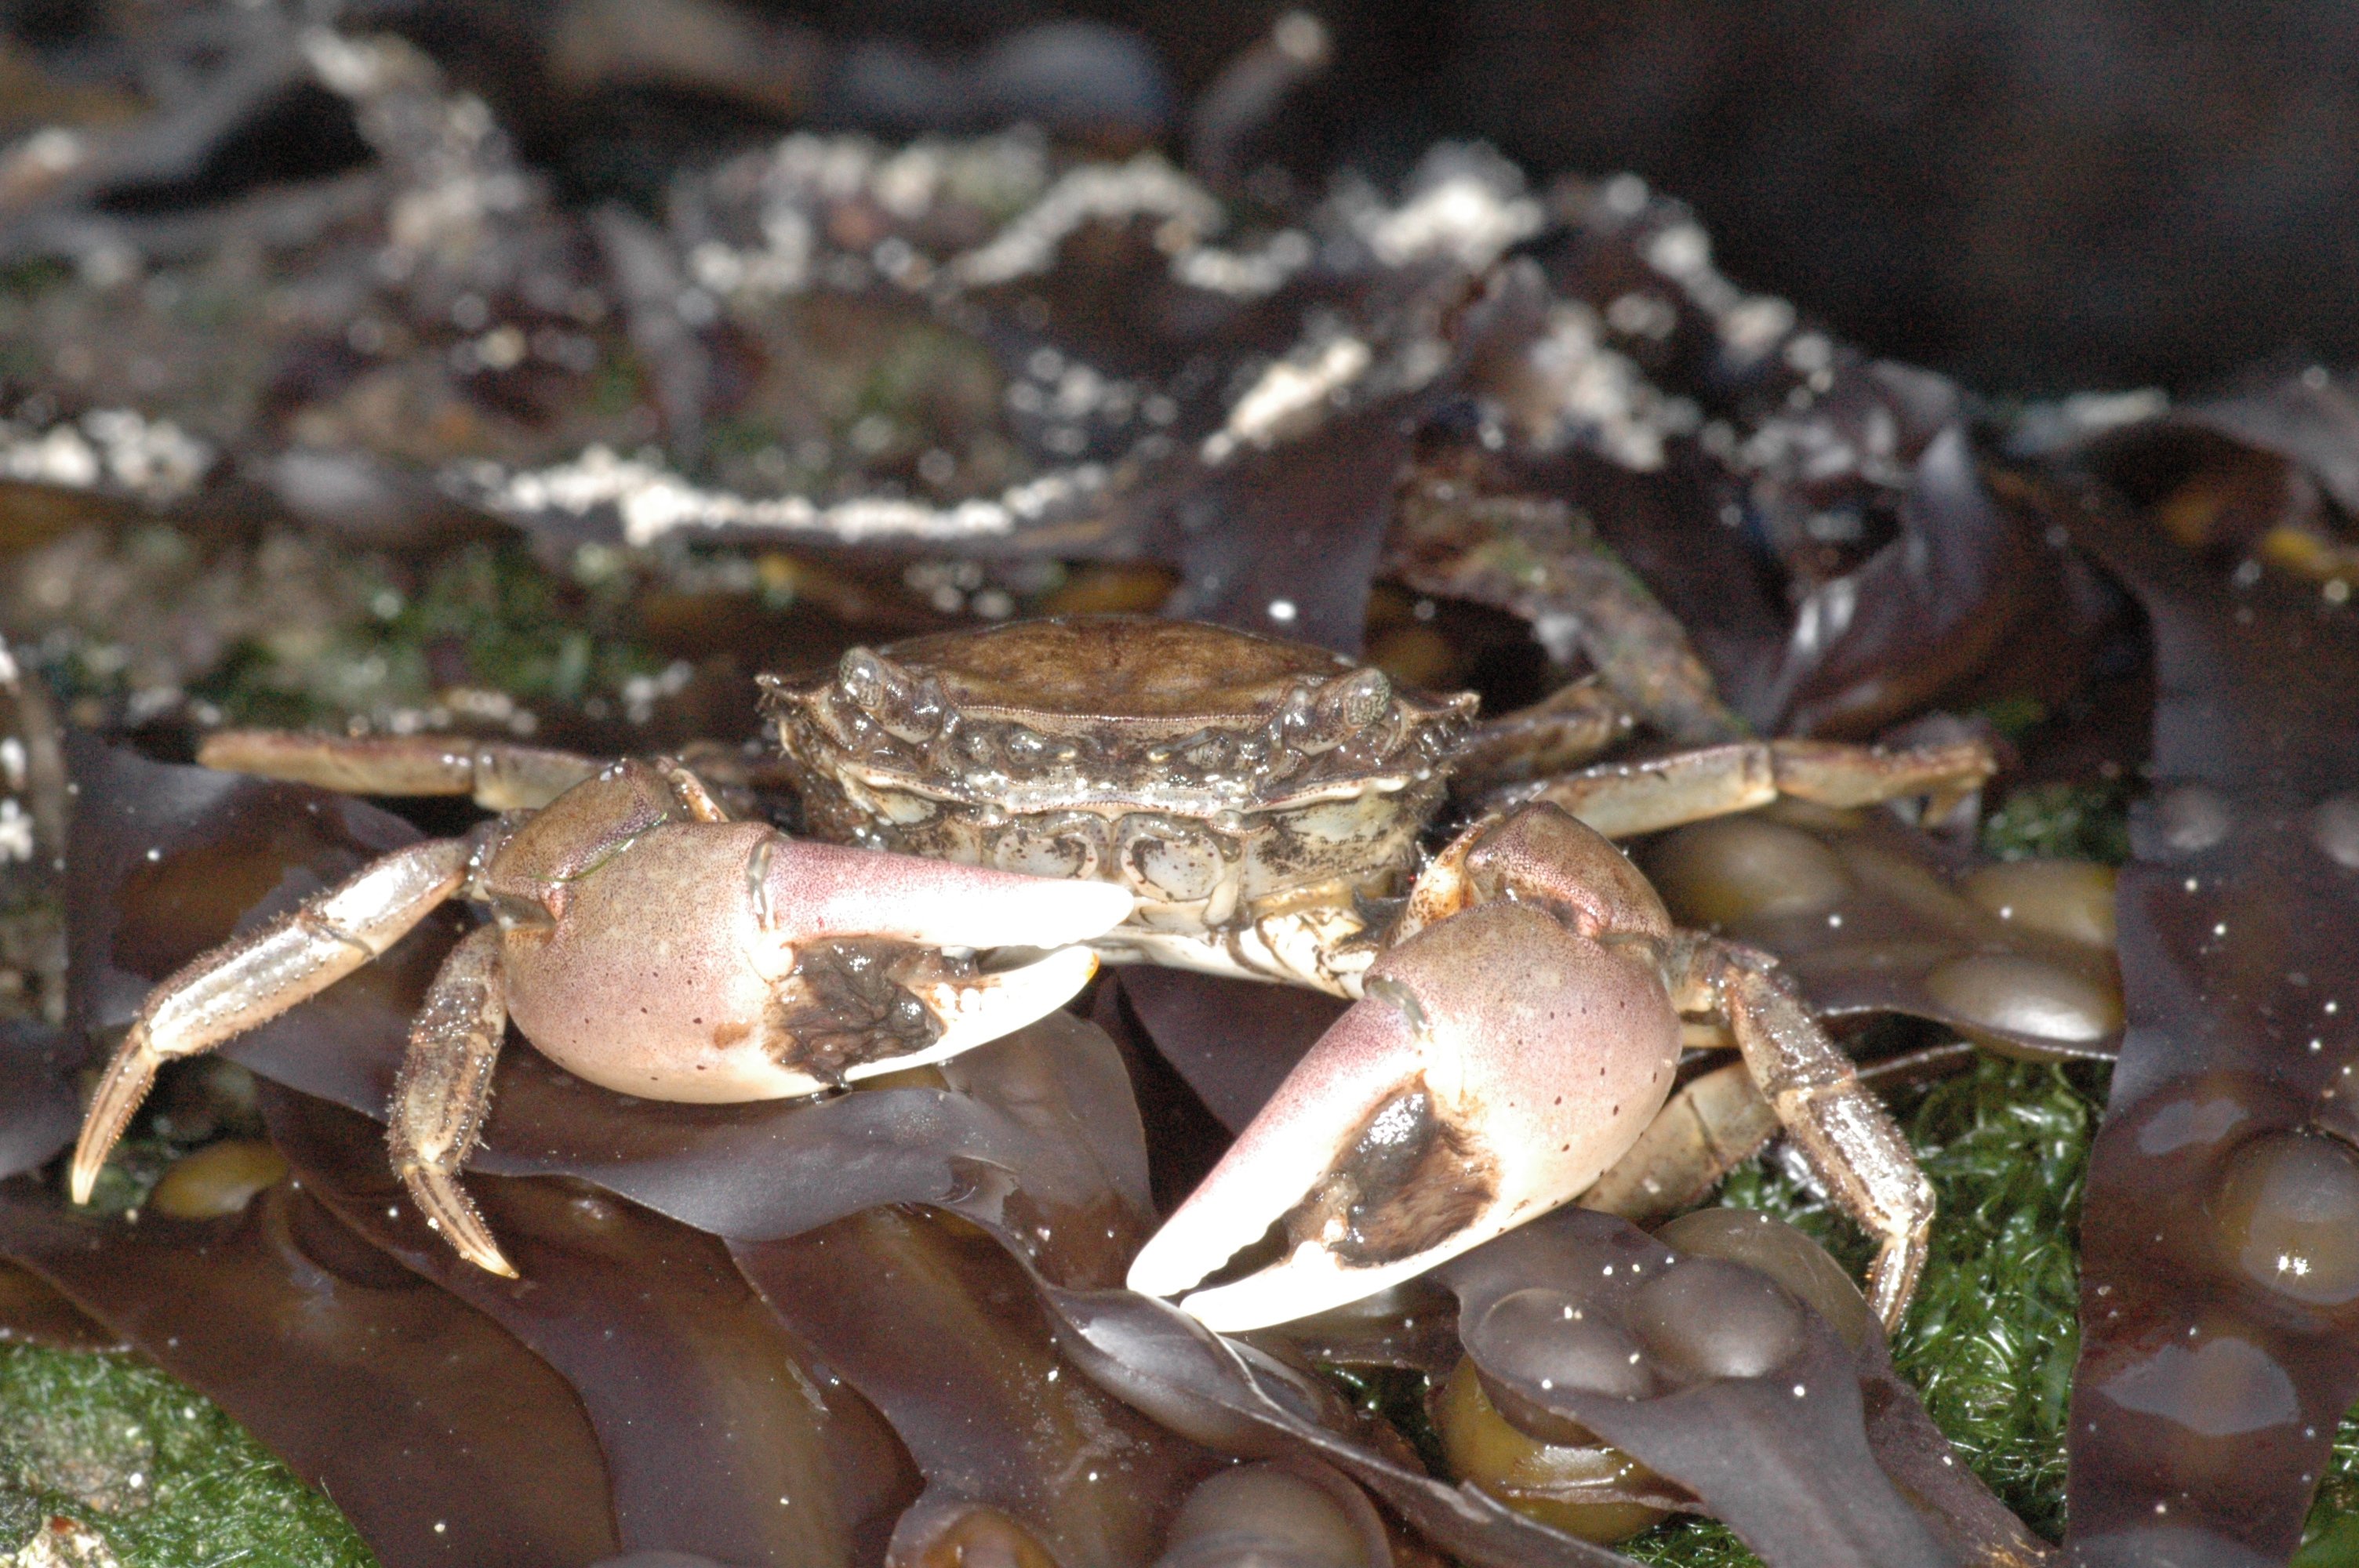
[(1217, 774)]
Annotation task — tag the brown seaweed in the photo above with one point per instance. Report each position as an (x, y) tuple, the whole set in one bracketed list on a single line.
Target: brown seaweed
[(437, 1435), (1869, 916), (2219, 1350), (936, 1325), (1229, 1395), (36, 1088), (719, 1432), (1706, 1371)]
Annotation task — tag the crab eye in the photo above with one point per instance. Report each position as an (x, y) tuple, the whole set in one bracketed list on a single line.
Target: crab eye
[(885, 693), (862, 676), (1360, 698)]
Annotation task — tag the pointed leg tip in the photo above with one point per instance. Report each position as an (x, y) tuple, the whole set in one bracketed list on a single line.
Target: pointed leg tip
[(473, 1244), (494, 1264), (118, 1097), (452, 1214)]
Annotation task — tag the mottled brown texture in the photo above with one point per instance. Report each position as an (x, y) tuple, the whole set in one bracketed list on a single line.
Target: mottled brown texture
[(1181, 673), (441, 1438), (721, 1436), (1216, 774), (2207, 1393)]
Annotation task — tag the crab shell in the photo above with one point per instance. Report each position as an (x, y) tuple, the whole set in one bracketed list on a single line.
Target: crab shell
[(1251, 794)]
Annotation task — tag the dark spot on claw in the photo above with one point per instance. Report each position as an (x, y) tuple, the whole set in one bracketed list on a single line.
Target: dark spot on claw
[(848, 1002), (1409, 1181)]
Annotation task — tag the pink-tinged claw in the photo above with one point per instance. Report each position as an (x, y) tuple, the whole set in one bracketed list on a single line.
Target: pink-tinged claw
[(721, 961), (1500, 1063), (821, 890), (979, 1009), (1361, 1062)]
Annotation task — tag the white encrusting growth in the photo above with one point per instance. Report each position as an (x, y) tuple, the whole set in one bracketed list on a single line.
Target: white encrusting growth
[(107, 447), (1245, 274), (1146, 187), (652, 501), (1600, 398), (1290, 397), (1465, 203)]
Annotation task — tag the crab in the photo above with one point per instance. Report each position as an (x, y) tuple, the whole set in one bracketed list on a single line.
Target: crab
[(647, 943), (1162, 792)]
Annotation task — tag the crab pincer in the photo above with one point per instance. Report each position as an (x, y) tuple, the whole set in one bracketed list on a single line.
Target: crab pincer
[(1517, 1036), (645, 942), (1505, 1054)]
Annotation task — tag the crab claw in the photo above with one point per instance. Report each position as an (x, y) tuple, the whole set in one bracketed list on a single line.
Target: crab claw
[(1498, 1065), (821, 890), (832, 892), (724, 961)]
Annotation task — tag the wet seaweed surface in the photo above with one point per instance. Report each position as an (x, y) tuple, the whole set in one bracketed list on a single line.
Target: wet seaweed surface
[(408, 438)]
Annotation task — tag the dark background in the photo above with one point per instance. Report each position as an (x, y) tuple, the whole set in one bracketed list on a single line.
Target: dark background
[(2032, 196)]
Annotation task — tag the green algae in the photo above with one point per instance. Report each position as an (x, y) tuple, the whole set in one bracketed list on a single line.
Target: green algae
[(2063, 821), (161, 1473)]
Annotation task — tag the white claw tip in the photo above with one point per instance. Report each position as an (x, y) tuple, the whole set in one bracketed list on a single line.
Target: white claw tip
[(1073, 912), (975, 1012)]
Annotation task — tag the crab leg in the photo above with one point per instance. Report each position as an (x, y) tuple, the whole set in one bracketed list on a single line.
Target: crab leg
[(444, 1090), (1572, 725), (255, 978), (1623, 799), (499, 776), (1839, 1124), (1703, 1132)]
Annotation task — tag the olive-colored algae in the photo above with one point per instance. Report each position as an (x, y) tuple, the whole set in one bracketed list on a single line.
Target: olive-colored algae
[(159, 1472), (2063, 821)]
